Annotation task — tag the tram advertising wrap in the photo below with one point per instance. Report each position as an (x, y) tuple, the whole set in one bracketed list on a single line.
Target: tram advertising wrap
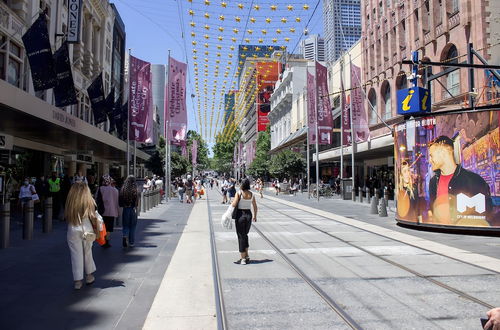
[(448, 170)]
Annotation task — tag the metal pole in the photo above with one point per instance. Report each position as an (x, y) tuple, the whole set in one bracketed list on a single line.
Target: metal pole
[(135, 157), (47, 218), (342, 105), (128, 119), (470, 60), (167, 142), (353, 141), (317, 131), (308, 165), (5, 226)]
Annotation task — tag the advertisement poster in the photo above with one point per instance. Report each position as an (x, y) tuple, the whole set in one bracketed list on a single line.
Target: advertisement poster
[(175, 102), (448, 170), (140, 109), (324, 110), (267, 75)]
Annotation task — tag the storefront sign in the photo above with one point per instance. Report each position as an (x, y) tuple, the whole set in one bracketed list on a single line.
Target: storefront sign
[(448, 173), (6, 142), (74, 21), (414, 100), (64, 118)]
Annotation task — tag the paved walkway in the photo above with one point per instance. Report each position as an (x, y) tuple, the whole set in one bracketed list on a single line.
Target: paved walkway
[(37, 285)]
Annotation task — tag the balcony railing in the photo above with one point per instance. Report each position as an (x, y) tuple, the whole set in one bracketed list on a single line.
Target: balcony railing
[(10, 22)]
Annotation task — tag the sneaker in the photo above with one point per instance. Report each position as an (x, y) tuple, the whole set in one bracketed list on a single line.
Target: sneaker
[(125, 242), (78, 285), (247, 259), (89, 279), (243, 262)]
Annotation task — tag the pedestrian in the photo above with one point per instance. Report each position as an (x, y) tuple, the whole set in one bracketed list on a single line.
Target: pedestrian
[(42, 188), (180, 189), (26, 192), (259, 186), (107, 197), (55, 193), (277, 186), (83, 223), (147, 183), (211, 184), (224, 188), (231, 191), (244, 201), (129, 200), (189, 186)]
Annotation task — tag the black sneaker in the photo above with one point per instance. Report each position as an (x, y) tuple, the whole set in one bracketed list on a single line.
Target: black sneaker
[(247, 259), (238, 262), (125, 242)]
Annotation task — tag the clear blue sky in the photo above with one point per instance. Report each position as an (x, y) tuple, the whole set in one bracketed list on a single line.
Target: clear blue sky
[(154, 26)]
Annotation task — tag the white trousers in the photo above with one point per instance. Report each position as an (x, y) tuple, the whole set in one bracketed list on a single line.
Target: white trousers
[(81, 251)]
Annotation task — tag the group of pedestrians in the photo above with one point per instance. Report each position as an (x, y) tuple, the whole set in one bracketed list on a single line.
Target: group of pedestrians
[(228, 188), (88, 215)]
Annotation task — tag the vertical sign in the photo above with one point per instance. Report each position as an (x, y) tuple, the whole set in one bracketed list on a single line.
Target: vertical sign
[(311, 108), (74, 21), (267, 75), (324, 114), (359, 118), (140, 110)]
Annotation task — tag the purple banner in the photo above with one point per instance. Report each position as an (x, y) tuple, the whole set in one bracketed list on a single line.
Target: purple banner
[(311, 108), (194, 152), (325, 119), (345, 117), (359, 120), (184, 149), (140, 111), (175, 102)]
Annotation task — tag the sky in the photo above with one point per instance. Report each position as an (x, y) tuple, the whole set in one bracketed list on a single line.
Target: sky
[(212, 27)]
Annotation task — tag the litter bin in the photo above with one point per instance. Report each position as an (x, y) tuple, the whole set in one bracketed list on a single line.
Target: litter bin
[(346, 189)]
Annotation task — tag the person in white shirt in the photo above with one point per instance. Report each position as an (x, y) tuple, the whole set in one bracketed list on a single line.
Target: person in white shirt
[(26, 193)]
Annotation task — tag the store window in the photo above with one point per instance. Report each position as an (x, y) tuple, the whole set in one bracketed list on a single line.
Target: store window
[(372, 109)]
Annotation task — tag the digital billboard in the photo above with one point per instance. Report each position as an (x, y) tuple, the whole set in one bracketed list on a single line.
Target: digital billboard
[(267, 75), (448, 169)]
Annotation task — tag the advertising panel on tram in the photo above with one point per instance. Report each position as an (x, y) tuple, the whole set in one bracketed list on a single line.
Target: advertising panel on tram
[(448, 170)]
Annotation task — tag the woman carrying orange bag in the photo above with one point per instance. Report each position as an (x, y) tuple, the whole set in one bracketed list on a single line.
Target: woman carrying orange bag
[(83, 228)]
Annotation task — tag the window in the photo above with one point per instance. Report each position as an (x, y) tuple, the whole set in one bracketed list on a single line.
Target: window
[(13, 73), (454, 6), (15, 50), (108, 51), (453, 78), (387, 102)]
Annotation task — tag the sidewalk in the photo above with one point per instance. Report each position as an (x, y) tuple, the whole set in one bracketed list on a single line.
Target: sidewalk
[(37, 284), (484, 245)]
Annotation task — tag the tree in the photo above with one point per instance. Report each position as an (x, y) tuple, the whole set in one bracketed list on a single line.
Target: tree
[(286, 164), (223, 152), (156, 163), (202, 152), (260, 165), (179, 164)]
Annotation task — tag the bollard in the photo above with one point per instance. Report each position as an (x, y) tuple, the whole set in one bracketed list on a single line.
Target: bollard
[(373, 208), (5, 225), (47, 215), (28, 220), (148, 200), (368, 195), (382, 208), (386, 195), (361, 196), (157, 200), (143, 202)]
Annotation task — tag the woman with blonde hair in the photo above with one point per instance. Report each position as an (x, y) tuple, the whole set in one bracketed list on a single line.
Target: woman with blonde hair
[(83, 228), (407, 193)]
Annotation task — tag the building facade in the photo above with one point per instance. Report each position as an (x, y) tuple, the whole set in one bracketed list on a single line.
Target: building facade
[(313, 48), (65, 139), (341, 26)]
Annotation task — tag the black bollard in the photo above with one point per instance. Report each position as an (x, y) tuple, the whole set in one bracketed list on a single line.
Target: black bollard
[(47, 215), (28, 220), (5, 225)]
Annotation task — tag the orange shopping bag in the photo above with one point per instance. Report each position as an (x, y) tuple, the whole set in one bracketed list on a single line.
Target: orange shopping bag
[(101, 230)]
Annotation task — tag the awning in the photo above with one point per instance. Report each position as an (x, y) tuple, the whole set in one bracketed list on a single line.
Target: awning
[(294, 138)]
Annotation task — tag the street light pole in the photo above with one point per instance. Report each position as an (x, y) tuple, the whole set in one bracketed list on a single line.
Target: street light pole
[(167, 138)]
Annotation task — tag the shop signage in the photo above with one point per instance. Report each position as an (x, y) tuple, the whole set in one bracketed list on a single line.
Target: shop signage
[(84, 158), (414, 100), (64, 118), (74, 21), (6, 142)]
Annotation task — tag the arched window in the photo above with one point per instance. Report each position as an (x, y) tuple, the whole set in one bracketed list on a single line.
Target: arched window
[(401, 81), (453, 78), (372, 109), (386, 92)]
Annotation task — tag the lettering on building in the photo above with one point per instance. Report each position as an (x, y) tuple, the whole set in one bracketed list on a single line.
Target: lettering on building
[(64, 119), (74, 20)]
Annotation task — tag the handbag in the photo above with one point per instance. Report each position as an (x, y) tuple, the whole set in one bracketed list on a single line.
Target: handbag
[(101, 230), (226, 220), (87, 236), (234, 214)]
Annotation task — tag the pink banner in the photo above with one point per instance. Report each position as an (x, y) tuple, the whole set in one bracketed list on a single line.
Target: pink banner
[(184, 149), (175, 102), (359, 120), (194, 152), (345, 116), (140, 106), (311, 108), (325, 119)]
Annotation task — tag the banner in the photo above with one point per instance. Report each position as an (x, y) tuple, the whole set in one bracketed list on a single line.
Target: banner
[(460, 152), (64, 91), (74, 20), (324, 115), (267, 75), (184, 149), (359, 118), (175, 102), (140, 110), (37, 44), (345, 116), (311, 108), (97, 100), (109, 109), (194, 152)]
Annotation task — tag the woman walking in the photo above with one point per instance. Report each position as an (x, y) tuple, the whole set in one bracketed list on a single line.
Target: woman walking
[(83, 227), (129, 201), (107, 197), (244, 201)]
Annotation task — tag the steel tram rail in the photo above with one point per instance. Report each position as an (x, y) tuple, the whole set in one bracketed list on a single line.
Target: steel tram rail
[(396, 264)]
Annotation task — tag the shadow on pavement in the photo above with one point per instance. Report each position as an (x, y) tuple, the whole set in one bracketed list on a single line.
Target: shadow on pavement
[(262, 261)]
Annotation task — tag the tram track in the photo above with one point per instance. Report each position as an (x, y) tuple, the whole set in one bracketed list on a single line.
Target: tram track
[(334, 306), (393, 263)]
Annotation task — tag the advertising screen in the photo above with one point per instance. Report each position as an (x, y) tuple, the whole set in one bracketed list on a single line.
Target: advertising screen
[(267, 75), (448, 169)]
